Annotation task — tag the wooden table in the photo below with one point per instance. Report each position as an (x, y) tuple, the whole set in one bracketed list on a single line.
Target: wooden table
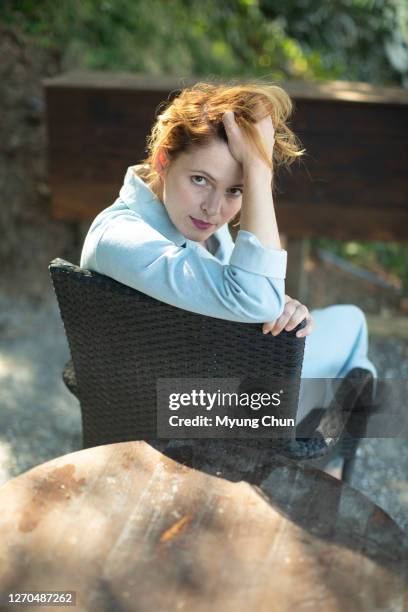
[(203, 527)]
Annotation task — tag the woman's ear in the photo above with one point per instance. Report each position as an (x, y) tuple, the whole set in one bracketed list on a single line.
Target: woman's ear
[(161, 162)]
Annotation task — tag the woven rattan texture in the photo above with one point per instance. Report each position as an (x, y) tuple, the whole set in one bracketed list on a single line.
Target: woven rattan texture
[(122, 341)]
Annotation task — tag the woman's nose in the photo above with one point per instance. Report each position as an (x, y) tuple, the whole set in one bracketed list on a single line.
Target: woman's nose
[(212, 204)]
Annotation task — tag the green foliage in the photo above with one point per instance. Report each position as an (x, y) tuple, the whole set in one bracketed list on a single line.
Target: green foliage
[(373, 255), (357, 40), (229, 39), (308, 39)]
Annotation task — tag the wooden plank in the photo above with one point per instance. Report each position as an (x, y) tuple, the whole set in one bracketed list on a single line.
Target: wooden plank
[(344, 224), (296, 278), (350, 91)]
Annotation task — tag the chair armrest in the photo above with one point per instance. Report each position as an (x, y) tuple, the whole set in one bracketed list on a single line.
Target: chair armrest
[(69, 377)]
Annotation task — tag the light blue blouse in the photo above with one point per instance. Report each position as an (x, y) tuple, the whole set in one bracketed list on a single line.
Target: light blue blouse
[(135, 242)]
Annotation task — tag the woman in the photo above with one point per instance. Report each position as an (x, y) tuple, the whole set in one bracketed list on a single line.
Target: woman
[(211, 159)]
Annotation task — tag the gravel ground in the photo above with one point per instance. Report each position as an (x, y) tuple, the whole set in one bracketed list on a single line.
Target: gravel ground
[(40, 420)]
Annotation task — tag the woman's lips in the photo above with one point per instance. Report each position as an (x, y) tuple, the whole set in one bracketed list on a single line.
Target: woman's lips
[(201, 224)]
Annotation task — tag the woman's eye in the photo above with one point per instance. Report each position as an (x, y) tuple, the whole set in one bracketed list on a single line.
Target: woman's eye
[(197, 176), (197, 180)]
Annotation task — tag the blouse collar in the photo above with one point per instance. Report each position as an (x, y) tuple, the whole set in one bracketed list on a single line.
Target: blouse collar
[(138, 196)]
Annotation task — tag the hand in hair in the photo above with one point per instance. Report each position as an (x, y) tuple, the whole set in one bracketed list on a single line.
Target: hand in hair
[(241, 147), (293, 314)]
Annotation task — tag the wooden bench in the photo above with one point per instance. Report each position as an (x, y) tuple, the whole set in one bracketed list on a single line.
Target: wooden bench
[(352, 184)]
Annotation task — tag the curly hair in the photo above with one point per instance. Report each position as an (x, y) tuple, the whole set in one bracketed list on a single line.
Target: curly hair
[(194, 118)]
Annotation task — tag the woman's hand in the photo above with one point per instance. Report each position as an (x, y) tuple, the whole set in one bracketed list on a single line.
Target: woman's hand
[(239, 145), (293, 313)]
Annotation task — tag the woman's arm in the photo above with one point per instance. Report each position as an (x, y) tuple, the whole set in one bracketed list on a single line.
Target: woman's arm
[(250, 289), (257, 211)]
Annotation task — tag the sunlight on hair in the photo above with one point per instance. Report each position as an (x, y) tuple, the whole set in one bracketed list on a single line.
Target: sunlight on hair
[(194, 117)]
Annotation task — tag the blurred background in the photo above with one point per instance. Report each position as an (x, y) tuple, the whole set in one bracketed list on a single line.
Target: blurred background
[(311, 40), (308, 40)]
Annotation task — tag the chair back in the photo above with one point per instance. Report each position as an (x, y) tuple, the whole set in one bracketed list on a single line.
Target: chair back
[(122, 341)]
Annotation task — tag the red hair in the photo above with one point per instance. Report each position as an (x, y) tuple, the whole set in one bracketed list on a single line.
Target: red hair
[(194, 118)]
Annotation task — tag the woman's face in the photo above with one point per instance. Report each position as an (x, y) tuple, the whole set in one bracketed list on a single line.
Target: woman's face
[(202, 190)]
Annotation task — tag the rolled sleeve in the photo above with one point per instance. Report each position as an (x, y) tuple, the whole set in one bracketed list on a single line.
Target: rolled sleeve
[(135, 254), (250, 255)]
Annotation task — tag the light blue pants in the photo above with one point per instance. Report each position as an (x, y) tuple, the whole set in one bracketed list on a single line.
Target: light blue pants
[(338, 343)]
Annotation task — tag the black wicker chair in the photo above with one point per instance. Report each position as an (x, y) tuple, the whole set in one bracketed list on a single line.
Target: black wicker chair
[(122, 340)]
